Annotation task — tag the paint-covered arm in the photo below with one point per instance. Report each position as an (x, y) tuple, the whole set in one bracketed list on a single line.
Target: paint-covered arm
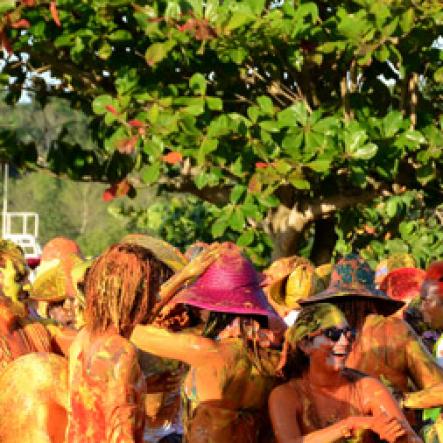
[(188, 348), (124, 403), (426, 374), (383, 407), (285, 411)]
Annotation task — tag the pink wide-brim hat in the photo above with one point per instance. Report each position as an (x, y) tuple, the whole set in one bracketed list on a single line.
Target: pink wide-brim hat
[(403, 283), (230, 285)]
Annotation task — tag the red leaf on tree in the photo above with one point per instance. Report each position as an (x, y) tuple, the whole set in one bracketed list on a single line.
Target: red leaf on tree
[(261, 165), (22, 23), (190, 24), (5, 42), (109, 194), (201, 28), (54, 13), (111, 109), (127, 145), (28, 2), (136, 123), (122, 188), (369, 229), (119, 189), (172, 157)]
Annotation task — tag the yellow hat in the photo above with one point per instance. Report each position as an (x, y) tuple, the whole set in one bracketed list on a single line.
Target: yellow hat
[(289, 280)]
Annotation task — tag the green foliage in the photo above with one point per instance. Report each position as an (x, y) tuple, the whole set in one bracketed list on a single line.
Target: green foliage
[(260, 108), (399, 223), (183, 220)]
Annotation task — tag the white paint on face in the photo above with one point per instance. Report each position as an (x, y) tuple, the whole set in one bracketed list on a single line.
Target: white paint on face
[(329, 354)]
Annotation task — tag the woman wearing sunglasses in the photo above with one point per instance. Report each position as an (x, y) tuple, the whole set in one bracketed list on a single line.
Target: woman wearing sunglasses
[(322, 400)]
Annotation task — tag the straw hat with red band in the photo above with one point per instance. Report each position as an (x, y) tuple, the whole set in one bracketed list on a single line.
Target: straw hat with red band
[(230, 284), (403, 284), (353, 278)]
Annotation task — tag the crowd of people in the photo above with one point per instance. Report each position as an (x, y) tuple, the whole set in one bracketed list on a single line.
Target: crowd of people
[(147, 344)]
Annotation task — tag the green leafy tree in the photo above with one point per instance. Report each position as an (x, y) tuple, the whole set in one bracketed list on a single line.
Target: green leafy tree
[(301, 121)]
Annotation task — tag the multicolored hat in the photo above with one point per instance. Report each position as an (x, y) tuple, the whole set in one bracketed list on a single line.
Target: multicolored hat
[(352, 277), (164, 252), (403, 284), (289, 280), (229, 284)]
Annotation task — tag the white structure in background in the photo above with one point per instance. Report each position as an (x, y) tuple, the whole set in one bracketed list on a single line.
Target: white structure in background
[(20, 227)]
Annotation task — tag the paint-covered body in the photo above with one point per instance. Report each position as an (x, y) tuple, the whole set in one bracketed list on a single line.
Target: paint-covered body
[(18, 336), (387, 348), (107, 390), (34, 399), (225, 390)]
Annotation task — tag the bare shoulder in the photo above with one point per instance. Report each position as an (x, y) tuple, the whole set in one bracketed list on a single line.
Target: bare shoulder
[(286, 394)]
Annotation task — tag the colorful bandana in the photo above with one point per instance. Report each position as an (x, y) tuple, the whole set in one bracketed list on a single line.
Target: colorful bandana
[(312, 319)]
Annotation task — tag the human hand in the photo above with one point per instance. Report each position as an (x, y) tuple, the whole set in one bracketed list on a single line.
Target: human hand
[(388, 428)]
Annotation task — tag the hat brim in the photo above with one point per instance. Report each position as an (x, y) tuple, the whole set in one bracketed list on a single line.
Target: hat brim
[(385, 305), (222, 301)]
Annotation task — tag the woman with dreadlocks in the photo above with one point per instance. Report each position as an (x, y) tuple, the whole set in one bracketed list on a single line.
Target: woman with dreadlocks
[(231, 372), (106, 385)]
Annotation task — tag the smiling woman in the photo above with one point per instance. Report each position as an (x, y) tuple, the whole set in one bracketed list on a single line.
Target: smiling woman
[(322, 399)]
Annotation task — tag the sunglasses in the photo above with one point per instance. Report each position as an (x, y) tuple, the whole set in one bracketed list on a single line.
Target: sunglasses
[(334, 334)]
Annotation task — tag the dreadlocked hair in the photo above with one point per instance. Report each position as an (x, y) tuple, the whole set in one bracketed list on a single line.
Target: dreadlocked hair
[(122, 287)]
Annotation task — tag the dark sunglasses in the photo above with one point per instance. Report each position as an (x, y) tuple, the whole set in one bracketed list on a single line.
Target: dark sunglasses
[(334, 334)]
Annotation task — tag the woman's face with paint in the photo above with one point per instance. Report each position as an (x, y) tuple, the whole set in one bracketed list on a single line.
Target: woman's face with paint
[(432, 304), (329, 348)]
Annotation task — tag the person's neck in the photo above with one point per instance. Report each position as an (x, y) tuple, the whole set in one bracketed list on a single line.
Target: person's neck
[(322, 377)]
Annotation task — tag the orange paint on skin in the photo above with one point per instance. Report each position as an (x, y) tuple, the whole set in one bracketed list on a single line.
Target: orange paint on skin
[(34, 400)]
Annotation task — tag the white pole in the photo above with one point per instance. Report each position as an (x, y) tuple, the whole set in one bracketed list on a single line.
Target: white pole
[(5, 198)]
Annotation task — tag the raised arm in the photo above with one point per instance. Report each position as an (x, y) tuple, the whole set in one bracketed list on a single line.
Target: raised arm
[(188, 348)]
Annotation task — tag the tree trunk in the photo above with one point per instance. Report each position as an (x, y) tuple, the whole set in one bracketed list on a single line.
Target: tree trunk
[(324, 241), (285, 243)]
